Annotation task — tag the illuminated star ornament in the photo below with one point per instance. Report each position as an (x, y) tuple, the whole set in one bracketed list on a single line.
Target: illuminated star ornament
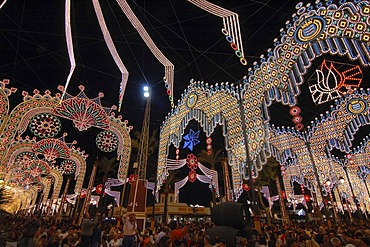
[(191, 139)]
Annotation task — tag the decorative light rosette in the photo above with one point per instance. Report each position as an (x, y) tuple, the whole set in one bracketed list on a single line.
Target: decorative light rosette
[(192, 176), (52, 149), (39, 187), (37, 167), (209, 145), (99, 189), (68, 167), (297, 119), (45, 125), (28, 179), (107, 141), (246, 187), (35, 171), (50, 178), (25, 158), (192, 161)]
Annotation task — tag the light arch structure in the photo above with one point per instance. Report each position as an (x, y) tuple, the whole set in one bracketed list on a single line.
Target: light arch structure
[(336, 129), (323, 28), (17, 120), (210, 106)]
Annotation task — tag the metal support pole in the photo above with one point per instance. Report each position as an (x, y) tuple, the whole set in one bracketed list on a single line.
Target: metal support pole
[(122, 197), (255, 206), (59, 214), (308, 145), (334, 208), (353, 194), (88, 192), (340, 200)]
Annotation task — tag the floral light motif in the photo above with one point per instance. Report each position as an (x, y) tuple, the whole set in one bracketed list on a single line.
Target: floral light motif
[(332, 84), (107, 141), (84, 112), (191, 139), (38, 167), (45, 125), (68, 167), (52, 149), (25, 158), (192, 176), (192, 161)]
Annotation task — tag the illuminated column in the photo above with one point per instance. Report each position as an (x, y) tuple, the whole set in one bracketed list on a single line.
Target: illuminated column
[(314, 168), (284, 214), (254, 202), (226, 180), (89, 190), (63, 197), (353, 194)]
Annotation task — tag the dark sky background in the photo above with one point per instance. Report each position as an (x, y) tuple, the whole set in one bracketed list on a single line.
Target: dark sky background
[(34, 54)]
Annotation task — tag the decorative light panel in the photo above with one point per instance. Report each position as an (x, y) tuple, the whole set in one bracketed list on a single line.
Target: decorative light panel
[(45, 125), (333, 80), (107, 141)]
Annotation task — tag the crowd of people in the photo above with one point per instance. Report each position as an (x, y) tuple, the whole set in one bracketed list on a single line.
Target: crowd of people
[(33, 231)]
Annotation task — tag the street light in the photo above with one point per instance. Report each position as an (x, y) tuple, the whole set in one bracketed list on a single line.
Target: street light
[(341, 180), (146, 91)]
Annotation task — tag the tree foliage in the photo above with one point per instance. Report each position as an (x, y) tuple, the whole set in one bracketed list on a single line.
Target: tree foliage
[(212, 159), (267, 175), (153, 141)]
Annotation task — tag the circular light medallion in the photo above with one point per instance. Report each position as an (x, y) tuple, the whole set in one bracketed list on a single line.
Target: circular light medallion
[(309, 29), (68, 167), (357, 106), (192, 100), (107, 141), (45, 125)]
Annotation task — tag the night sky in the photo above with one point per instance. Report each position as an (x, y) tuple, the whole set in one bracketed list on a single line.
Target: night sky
[(34, 55)]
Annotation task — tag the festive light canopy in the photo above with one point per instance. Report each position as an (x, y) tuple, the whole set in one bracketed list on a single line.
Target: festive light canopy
[(323, 28), (37, 165), (334, 130)]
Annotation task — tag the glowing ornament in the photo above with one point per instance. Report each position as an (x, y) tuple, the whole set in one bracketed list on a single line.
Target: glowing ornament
[(191, 139), (107, 141), (192, 176), (295, 111), (45, 125), (68, 167), (99, 189), (192, 161)]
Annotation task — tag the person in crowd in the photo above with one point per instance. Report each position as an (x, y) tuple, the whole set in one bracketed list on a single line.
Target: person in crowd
[(129, 229), (87, 229), (335, 242), (96, 236), (29, 232), (207, 241), (177, 233), (115, 242), (71, 237)]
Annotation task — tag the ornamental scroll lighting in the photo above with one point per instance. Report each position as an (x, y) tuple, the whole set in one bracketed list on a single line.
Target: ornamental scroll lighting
[(169, 68)]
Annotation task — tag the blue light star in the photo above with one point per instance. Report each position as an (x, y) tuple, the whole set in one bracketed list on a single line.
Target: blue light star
[(191, 139)]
